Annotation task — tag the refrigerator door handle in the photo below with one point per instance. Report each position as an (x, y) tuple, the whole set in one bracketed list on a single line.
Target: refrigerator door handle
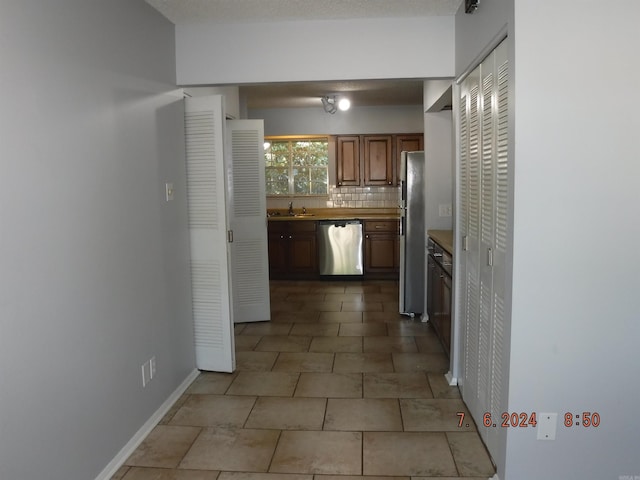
[(402, 226)]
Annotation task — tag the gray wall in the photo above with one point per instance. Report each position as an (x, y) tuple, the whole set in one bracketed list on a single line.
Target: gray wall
[(357, 120), (94, 263), (475, 31), (439, 167), (575, 288), (574, 327)]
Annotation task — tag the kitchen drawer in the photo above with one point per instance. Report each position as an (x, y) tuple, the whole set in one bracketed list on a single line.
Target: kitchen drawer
[(275, 226), (302, 226), (373, 226)]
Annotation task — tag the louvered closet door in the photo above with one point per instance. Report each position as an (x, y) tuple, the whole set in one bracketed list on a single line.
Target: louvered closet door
[(247, 220), (484, 172), (470, 231), (498, 401), (212, 310), (487, 224), (463, 222)]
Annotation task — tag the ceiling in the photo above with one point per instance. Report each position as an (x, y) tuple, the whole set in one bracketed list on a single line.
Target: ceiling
[(184, 12), (308, 94)]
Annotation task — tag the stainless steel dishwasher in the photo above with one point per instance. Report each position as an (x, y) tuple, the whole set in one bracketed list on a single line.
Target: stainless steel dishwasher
[(340, 247)]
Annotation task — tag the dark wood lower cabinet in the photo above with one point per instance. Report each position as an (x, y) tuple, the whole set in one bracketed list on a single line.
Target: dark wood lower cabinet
[(293, 251), (303, 253), (381, 249), (277, 252), (439, 298)]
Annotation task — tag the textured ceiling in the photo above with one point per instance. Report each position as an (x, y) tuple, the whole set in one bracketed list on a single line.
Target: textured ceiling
[(183, 12)]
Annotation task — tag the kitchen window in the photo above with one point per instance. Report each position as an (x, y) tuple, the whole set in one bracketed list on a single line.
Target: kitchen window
[(297, 165)]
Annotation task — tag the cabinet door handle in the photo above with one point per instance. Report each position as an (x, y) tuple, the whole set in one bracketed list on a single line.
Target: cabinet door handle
[(281, 236), (230, 236), (290, 237), (366, 236)]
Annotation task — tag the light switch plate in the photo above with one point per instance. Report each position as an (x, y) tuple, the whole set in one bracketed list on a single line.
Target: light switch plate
[(169, 191), (152, 367), (547, 426)]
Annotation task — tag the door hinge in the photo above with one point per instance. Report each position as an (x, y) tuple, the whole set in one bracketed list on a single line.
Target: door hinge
[(230, 236), (465, 243), (490, 257)]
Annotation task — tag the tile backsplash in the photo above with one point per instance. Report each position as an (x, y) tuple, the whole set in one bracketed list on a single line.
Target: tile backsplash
[(343, 197)]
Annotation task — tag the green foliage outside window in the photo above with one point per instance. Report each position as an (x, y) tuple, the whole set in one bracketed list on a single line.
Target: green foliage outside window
[(297, 166)]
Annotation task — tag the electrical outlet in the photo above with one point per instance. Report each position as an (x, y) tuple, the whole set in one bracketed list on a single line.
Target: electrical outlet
[(444, 210), (145, 374), (152, 367)]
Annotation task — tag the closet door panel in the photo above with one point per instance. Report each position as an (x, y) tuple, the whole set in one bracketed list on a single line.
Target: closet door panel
[(247, 222), (206, 194), (499, 342)]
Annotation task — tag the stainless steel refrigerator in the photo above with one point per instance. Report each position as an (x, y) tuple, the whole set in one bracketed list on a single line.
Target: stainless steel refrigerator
[(412, 233)]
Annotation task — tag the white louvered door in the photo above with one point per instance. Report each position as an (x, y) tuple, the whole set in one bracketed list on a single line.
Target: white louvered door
[(483, 226), (498, 393), (212, 308), (247, 220), (470, 231), (485, 260)]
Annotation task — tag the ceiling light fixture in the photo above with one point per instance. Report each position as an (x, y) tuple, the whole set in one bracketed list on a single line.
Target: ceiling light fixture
[(331, 105), (344, 104), (471, 6)]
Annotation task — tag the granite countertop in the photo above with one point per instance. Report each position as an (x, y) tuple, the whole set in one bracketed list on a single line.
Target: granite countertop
[(444, 238), (333, 214)]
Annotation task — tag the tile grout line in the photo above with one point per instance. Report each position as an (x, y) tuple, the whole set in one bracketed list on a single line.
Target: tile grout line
[(177, 467)]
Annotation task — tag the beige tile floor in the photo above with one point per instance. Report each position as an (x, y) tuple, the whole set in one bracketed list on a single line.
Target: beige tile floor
[(337, 386)]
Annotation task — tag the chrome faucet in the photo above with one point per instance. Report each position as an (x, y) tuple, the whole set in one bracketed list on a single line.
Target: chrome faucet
[(290, 208)]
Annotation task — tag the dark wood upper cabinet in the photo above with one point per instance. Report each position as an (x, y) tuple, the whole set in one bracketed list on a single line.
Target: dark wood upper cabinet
[(406, 143), (378, 159), (373, 160), (348, 160)]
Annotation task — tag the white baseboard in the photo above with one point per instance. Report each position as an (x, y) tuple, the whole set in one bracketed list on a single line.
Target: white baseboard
[(113, 466), (451, 380)]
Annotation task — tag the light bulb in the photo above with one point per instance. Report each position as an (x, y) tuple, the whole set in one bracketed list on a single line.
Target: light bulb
[(344, 104)]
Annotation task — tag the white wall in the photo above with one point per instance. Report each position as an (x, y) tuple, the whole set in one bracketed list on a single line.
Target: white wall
[(94, 264), (575, 327), (315, 50)]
